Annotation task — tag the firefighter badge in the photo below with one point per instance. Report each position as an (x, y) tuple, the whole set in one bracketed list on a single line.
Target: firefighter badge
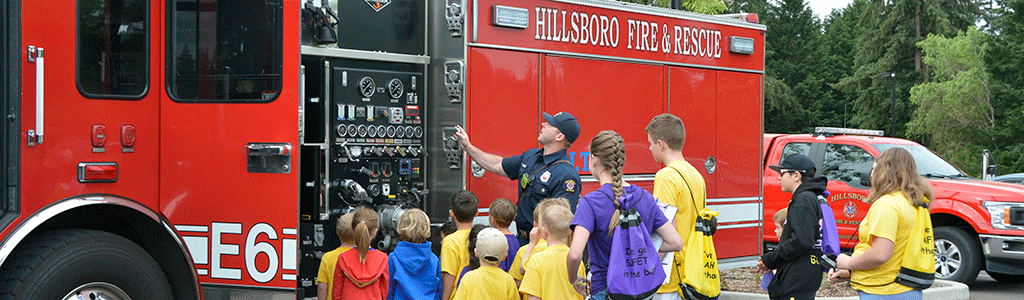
[(545, 176), (377, 5)]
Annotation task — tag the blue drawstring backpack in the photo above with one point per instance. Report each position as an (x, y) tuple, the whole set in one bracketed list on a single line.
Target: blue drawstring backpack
[(634, 267), (829, 234)]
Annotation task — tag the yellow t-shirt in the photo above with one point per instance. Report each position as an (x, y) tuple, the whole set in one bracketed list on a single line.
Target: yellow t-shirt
[(890, 217), (327, 264), (541, 245), (487, 282), (670, 189), (545, 275), (455, 254), (516, 263)]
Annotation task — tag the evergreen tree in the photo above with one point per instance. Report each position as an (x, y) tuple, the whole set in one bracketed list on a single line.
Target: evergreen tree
[(700, 6), (1005, 60), (889, 45), (794, 89), (837, 50)]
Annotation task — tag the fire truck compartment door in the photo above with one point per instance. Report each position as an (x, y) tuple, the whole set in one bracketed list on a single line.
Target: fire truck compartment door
[(268, 157)]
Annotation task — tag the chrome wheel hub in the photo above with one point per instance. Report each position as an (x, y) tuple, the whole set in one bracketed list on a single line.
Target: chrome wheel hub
[(97, 291), (947, 259)]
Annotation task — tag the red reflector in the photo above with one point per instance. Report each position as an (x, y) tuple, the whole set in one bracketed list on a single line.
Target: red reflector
[(97, 172), (128, 136)]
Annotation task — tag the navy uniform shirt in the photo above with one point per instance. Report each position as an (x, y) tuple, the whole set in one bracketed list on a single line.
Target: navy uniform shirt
[(541, 176)]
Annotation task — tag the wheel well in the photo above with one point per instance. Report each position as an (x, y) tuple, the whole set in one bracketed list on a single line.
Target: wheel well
[(942, 219), (140, 229)]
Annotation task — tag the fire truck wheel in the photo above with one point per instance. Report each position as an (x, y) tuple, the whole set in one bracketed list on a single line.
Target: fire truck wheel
[(1006, 278), (82, 264), (957, 256)]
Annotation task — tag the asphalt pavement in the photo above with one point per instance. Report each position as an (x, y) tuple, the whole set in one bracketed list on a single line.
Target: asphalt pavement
[(986, 288)]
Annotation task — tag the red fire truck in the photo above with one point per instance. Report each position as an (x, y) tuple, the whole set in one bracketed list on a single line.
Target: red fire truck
[(203, 148)]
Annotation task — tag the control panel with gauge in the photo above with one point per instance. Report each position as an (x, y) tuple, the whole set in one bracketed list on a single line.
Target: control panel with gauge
[(376, 136)]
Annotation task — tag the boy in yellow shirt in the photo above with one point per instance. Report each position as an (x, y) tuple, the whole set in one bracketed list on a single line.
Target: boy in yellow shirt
[(488, 281), (545, 276), (537, 243), (455, 246), (325, 278), (666, 134)]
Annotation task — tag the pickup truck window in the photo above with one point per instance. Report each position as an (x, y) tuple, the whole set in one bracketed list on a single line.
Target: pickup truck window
[(845, 163), (795, 148), (928, 163)]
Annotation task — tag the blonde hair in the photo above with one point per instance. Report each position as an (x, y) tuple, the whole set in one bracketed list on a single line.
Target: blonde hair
[(414, 226), (343, 227), (780, 216), (669, 129), (556, 220), (896, 171), (609, 148), (364, 220), (544, 204), (503, 211)]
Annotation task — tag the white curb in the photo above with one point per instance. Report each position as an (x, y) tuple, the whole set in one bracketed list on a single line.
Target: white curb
[(942, 289)]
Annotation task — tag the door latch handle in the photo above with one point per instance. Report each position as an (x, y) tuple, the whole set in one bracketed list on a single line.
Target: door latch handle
[(268, 157), (257, 149)]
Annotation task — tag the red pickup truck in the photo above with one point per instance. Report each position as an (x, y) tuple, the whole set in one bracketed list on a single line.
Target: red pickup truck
[(979, 225)]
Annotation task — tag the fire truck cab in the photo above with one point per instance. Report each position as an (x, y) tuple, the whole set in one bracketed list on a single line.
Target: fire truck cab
[(192, 149)]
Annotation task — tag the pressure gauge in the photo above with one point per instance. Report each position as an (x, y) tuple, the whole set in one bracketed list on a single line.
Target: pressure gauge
[(395, 88), (366, 86)]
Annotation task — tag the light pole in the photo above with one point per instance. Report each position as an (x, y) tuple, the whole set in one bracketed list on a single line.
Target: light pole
[(892, 120)]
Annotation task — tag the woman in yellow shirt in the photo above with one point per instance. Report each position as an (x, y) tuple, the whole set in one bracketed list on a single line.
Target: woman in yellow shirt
[(884, 234)]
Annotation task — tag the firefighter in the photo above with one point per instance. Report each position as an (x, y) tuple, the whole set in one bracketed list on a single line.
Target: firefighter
[(545, 172)]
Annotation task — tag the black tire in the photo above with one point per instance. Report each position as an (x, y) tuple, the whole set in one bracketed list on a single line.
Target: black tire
[(1006, 278), (61, 261), (957, 255)]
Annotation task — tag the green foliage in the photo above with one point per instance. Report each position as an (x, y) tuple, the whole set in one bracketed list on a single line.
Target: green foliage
[(710, 7), (827, 73), (889, 45), (954, 110), (794, 89), (1005, 60)]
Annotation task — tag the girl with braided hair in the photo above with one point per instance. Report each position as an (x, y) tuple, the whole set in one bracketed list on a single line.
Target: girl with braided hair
[(597, 214)]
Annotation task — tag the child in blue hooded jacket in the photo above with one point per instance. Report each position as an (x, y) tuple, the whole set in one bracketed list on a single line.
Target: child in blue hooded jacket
[(415, 270)]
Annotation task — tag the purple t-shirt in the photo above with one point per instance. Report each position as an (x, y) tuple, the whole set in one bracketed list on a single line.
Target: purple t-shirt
[(513, 247), (594, 212)]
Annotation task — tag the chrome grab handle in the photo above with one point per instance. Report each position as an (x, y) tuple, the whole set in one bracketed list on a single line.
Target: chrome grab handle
[(35, 55)]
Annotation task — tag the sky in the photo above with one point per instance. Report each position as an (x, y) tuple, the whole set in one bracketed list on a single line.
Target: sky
[(824, 7)]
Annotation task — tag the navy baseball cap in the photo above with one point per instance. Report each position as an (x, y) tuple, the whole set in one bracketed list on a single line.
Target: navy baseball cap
[(796, 162), (565, 123)]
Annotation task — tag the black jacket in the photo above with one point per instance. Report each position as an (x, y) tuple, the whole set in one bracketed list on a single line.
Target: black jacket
[(798, 273)]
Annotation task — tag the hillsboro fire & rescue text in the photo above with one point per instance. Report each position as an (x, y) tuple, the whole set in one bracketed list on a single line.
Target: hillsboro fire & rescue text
[(605, 31)]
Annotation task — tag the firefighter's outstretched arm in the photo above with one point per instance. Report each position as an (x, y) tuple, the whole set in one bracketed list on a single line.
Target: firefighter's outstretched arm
[(490, 162)]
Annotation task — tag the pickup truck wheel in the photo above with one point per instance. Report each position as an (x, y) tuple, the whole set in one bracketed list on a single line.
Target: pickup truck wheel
[(957, 256), (82, 264), (1006, 278)]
